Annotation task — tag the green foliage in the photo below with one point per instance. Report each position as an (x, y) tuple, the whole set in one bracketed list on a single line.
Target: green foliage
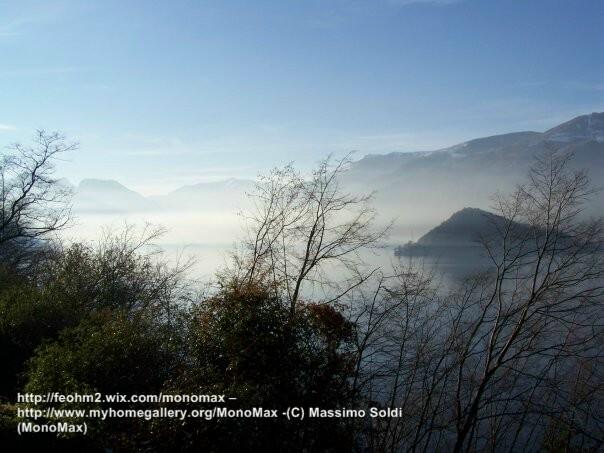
[(8, 277), (108, 352), (27, 317), (114, 276), (243, 343), (243, 340), (66, 288), (106, 320)]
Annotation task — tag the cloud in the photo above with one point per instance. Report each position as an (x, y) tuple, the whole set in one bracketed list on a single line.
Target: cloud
[(6, 127)]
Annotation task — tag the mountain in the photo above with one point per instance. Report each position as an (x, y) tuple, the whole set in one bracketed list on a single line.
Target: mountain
[(463, 228), (109, 196), (106, 195), (419, 188), (583, 128), (427, 186), (228, 194), (461, 232)]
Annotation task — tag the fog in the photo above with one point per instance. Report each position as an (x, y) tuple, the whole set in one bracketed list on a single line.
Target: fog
[(416, 192), (209, 236)]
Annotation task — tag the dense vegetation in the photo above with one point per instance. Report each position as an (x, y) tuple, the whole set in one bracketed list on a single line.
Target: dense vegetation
[(510, 359)]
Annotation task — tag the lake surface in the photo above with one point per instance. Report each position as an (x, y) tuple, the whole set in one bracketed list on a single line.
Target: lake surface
[(208, 238)]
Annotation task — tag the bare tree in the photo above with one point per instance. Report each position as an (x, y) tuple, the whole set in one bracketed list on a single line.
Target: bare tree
[(543, 309), (302, 231), (514, 354), (32, 202)]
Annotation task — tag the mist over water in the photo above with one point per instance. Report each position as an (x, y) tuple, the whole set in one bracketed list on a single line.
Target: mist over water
[(209, 237), (416, 192)]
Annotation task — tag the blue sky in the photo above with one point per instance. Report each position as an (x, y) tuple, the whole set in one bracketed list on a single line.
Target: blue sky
[(166, 93)]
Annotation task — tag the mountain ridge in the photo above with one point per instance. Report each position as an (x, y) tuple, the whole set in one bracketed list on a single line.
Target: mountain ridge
[(425, 185), (587, 122), (430, 185)]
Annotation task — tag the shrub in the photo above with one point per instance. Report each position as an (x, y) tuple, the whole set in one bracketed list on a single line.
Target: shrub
[(243, 343)]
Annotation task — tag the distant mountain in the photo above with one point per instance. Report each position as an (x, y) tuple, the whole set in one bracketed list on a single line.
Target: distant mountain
[(583, 128), (419, 188), (109, 196), (231, 184), (106, 195), (425, 186), (227, 194), (463, 228), (461, 232)]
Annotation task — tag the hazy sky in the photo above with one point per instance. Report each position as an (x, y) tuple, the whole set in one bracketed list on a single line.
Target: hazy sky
[(165, 93)]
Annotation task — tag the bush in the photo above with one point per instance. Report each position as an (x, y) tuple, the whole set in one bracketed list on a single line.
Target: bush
[(108, 353), (70, 284), (243, 343), (27, 317)]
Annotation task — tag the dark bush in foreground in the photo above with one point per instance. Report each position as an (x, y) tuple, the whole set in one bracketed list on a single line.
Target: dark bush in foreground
[(242, 343)]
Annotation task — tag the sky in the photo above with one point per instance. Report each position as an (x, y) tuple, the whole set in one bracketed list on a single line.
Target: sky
[(165, 93)]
